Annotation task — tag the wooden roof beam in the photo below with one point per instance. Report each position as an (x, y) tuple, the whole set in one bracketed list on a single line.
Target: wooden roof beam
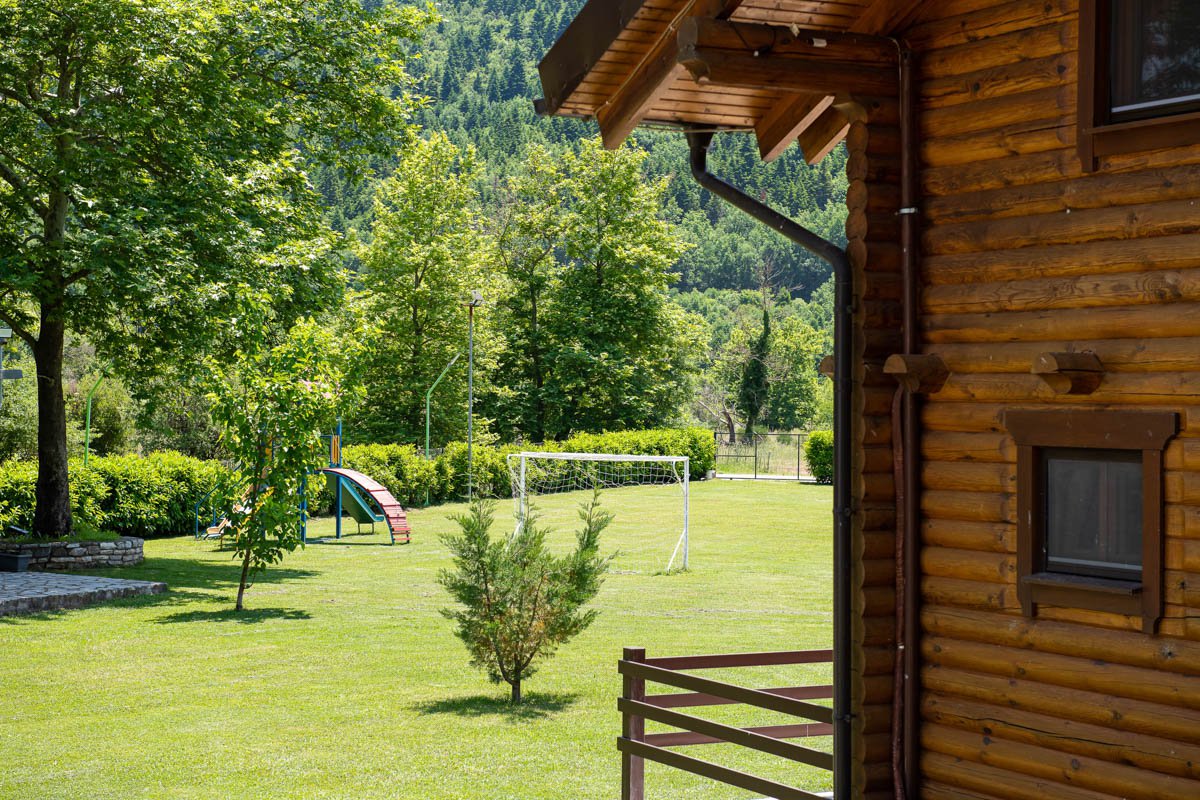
[(653, 78), (770, 57), (791, 116), (823, 135), (780, 126)]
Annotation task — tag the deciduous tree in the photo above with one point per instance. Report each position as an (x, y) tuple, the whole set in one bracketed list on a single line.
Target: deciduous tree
[(151, 189)]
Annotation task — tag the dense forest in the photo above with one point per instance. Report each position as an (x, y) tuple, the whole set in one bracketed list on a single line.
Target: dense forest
[(706, 317)]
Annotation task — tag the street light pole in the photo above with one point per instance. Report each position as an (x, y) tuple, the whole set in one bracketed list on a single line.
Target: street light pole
[(476, 300)]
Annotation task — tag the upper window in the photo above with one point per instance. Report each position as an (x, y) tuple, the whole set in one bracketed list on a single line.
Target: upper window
[(1139, 84), (1154, 58), (1090, 509)]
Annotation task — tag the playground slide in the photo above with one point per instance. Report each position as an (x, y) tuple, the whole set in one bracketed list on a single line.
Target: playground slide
[(390, 507)]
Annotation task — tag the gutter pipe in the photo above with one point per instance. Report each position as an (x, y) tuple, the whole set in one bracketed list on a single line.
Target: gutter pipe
[(698, 144)]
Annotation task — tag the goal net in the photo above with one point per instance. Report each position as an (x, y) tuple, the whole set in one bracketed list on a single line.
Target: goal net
[(660, 513)]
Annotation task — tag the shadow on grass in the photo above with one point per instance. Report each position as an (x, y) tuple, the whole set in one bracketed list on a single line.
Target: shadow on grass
[(534, 706), (250, 616), (186, 573)]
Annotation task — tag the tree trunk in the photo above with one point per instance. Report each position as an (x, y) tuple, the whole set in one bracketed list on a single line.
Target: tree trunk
[(52, 513), (516, 691), (242, 585)]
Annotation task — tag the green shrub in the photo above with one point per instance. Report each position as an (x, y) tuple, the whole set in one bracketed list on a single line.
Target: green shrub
[(127, 495), (818, 454)]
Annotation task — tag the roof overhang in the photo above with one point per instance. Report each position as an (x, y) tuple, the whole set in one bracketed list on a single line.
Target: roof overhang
[(780, 68)]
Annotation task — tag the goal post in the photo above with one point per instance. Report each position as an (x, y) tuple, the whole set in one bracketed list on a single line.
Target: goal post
[(543, 473)]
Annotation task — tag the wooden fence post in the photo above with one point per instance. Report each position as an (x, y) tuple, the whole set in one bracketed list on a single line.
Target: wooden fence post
[(633, 727)]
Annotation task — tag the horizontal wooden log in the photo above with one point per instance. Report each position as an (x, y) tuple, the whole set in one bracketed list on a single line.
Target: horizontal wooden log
[(1066, 260), (1092, 675), (961, 593), (1083, 291), (991, 537), (994, 112), (969, 565), (968, 506), (1040, 135), (760, 56), (877, 600), (1167, 388), (999, 82), (962, 476), (1017, 631), (875, 660), (1008, 48), (1101, 742), (1093, 323), (1131, 717), (1094, 619), (976, 777), (959, 22), (932, 790), (1133, 221), (1093, 190), (955, 447), (1072, 770), (1118, 355), (963, 417)]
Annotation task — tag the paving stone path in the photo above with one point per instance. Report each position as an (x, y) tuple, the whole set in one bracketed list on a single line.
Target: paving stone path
[(27, 592)]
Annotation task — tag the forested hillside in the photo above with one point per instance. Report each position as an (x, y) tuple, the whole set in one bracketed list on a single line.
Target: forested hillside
[(478, 67)]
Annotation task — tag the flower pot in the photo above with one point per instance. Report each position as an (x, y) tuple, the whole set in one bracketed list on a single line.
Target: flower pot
[(14, 562)]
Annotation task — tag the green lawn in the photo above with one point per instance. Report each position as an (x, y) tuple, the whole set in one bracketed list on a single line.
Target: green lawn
[(344, 681)]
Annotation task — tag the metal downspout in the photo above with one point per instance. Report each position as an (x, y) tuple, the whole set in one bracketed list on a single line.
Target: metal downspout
[(698, 143), (910, 734)]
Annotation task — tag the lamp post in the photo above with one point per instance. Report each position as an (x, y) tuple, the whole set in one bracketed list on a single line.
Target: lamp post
[(475, 302), (428, 396)]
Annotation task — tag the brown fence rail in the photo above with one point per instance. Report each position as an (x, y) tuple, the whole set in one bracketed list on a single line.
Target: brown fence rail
[(637, 747)]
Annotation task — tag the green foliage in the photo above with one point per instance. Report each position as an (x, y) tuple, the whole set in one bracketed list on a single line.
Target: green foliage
[(412, 480), (148, 496), (589, 339), (754, 384), (517, 602), (153, 194), (273, 411), (423, 259), (818, 455)]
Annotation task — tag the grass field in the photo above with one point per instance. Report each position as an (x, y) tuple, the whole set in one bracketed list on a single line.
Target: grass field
[(344, 681)]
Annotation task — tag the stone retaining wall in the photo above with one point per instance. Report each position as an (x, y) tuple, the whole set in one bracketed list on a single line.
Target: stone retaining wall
[(59, 556)]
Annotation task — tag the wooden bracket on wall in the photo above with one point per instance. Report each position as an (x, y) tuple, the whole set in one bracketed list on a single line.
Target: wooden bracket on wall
[(918, 374), (1069, 373), (826, 367)]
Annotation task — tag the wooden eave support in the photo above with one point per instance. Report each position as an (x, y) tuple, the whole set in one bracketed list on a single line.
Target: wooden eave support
[(651, 79), (756, 56), (826, 367), (1069, 373), (917, 373), (790, 119)]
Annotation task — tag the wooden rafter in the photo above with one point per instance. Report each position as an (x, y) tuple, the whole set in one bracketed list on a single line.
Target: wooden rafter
[(756, 56), (880, 18), (652, 78), (823, 135), (780, 126)]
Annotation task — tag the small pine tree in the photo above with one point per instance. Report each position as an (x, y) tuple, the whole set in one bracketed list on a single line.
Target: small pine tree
[(518, 602)]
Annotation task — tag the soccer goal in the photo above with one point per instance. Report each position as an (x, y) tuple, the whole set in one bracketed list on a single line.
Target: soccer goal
[(537, 474)]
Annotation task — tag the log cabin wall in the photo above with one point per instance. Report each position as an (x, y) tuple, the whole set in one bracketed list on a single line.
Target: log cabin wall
[(1024, 253), (872, 231)]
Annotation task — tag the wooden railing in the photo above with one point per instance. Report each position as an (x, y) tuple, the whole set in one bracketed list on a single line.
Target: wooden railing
[(636, 707)]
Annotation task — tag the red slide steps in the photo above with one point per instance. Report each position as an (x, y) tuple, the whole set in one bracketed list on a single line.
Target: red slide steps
[(392, 511)]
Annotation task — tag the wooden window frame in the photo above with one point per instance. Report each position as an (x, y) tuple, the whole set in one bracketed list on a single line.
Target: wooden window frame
[(1147, 432), (1096, 135)]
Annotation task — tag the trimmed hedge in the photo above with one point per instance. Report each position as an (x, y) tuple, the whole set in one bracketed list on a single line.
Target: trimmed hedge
[(412, 479), (818, 454), (156, 495), (147, 496)]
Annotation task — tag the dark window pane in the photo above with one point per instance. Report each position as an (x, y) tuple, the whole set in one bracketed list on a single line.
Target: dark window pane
[(1093, 512), (1155, 57)]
